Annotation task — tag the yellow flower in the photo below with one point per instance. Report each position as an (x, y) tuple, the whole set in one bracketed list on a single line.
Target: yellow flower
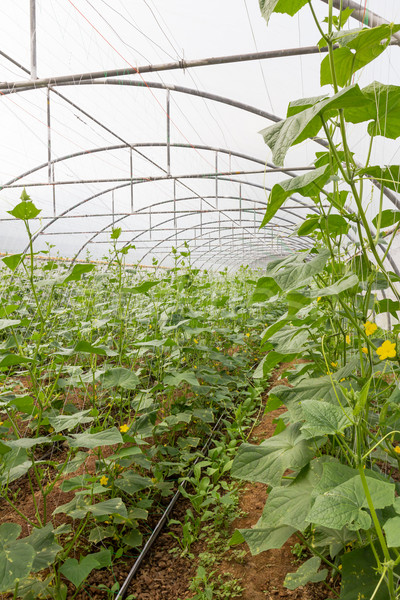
[(154, 480), (364, 349), (247, 335), (319, 298), (397, 449), (334, 364), (150, 326), (195, 341), (340, 380), (387, 350), (218, 348), (348, 340), (103, 480), (194, 367), (370, 328), (124, 428), (51, 429)]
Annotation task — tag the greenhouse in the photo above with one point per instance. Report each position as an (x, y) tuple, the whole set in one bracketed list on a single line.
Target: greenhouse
[(200, 296)]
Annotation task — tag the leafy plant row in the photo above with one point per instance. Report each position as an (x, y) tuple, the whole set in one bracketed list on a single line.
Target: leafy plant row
[(333, 467)]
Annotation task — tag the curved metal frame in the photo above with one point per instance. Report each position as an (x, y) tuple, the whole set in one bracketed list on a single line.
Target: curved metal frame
[(83, 80)]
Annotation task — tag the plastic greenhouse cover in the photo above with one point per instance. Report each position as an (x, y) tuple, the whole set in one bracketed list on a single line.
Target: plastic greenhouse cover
[(144, 159)]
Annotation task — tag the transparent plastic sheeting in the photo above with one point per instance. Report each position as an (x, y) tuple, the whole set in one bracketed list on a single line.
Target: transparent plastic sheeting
[(172, 156)]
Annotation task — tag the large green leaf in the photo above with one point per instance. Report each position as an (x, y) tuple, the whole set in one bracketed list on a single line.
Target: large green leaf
[(16, 558), (357, 48), (298, 273), (265, 289), (108, 437), (269, 362), (343, 504), (68, 422), (297, 128), (119, 377), (323, 418), (392, 531), (360, 576), (77, 272), (132, 482), (290, 340), (44, 543), (383, 109), (143, 288), (12, 261), (345, 283), (260, 540), (290, 504), (307, 572), (290, 7), (308, 185), (267, 462)]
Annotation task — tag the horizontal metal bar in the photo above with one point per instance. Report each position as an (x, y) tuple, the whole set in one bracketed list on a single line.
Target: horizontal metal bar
[(143, 179), (181, 64)]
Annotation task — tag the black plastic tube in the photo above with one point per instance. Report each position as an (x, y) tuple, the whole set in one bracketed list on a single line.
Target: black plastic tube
[(157, 530)]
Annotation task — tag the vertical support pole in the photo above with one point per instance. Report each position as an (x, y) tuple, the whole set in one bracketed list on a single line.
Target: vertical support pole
[(175, 219), (150, 222), (168, 134), (112, 207), (254, 218), (50, 167), (216, 197), (131, 175), (33, 39), (240, 204)]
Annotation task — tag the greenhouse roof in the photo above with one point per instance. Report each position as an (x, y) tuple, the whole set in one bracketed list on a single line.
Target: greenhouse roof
[(145, 116)]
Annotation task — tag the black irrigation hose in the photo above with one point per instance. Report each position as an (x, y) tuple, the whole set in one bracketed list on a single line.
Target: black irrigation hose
[(164, 517)]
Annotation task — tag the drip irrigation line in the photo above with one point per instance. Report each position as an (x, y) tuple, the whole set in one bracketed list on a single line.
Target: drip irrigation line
[(165, 515)]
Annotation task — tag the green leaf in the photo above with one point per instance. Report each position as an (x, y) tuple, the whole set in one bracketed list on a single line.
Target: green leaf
[(358, 47), (63, 422), (308, 185), (392, 531), (108, 437), (360, 576), (265, 289), (383, 108), (16, 558), (143, 288), (10, 360), (309, 225), (297, 128), (4, 323), (267, 462), (75, 571), (307, 572), (390, 178), (24, 211), (298, 273), (388, 218), (387, 305), (12, 261), (119, 377), (28, 442), (134, 538), (116, 233), (132, 483), (323, 418), (269, 362), (77, 272), (260, 540), (290, 340), (290, 504), (290, 7), (346, 283), (175, 378), (44, 543), (343, 504)]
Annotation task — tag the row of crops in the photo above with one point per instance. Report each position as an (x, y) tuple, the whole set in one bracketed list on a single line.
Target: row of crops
[(111, 381)]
